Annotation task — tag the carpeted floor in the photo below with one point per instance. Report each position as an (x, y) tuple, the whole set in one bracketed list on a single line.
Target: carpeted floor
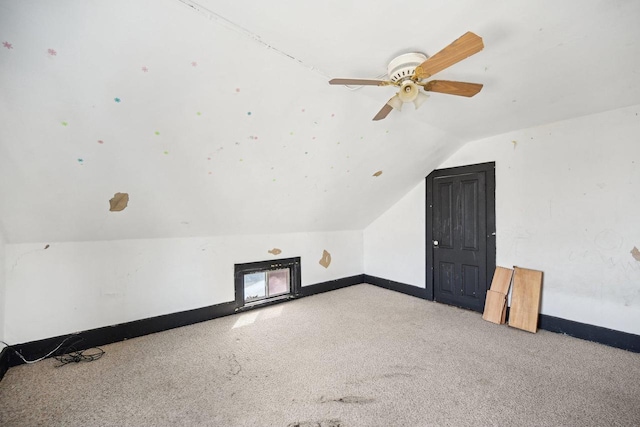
[(359, 356)]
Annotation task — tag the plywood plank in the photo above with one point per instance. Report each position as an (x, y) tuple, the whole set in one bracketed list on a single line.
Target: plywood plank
[(495, 307), (525, 299), (501, 280)]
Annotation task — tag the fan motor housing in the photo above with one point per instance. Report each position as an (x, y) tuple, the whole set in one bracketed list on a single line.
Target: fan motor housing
[(404, 66)]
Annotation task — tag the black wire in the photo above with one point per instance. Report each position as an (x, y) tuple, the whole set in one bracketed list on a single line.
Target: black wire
[(75, 356), (12, 348), (68, 354), (71, 355)]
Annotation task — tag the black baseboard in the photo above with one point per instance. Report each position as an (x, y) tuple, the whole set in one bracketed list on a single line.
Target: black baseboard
[(414, 291), (331, 285), (111, 334), (610, 337), (4, 361)]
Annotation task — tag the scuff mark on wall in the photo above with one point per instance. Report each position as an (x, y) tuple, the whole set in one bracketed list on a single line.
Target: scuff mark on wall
[(325, 260), (635, 253), (119, 202), (46, 247), (377, 173), (275, 251)]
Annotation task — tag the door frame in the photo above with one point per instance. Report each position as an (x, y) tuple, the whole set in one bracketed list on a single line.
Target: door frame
[(489, 169)]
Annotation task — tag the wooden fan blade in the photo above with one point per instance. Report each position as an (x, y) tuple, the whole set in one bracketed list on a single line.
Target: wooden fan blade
[(460, 49), (384, 112), (453, 88), (359, 82), (393, 102)]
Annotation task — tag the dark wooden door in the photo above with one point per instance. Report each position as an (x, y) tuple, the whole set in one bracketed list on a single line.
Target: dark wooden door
[(461, 237)]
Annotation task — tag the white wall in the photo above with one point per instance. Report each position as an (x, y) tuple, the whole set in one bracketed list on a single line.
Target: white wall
[(567, 203), (394, 244), (77, 286)]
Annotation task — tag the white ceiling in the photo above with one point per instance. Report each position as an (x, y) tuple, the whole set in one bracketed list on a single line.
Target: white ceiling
[(233, 127)]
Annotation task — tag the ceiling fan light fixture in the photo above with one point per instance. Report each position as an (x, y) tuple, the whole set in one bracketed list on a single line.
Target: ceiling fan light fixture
[(396, 103), (420, 99), (408, 91), (408, 72)]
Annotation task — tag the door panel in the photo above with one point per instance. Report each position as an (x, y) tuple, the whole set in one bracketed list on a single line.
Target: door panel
[(446, 270), (470, 279), (445, 210), (459, 240)]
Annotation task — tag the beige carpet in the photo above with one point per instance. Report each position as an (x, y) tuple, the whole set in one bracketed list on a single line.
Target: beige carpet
[(359, 356)]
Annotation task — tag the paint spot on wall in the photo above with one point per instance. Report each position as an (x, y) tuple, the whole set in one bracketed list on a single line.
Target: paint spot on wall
[(275, 251), (198, 113), (248, 113), (157, 133), (144, 69), (52, 52), (117, 100), (377, 173), (118, 202), (166, 152), (325, 261), (7, 45), (333, 115), (635, 253), (194, 64), (514, 144), (64, 123), (81, 161), (237, 89), (100, 141)]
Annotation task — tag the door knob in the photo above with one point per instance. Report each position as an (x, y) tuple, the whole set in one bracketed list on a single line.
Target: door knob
[(435, 243)]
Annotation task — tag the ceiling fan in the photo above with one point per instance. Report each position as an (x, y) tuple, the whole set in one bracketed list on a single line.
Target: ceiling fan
[(409, 70)]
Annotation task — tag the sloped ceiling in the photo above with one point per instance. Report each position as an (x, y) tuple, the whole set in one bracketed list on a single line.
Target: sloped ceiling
[(216, 116)]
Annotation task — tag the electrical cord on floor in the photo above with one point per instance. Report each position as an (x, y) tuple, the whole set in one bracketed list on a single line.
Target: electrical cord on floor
[(10, 347), (72, 355), (68, 355)]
